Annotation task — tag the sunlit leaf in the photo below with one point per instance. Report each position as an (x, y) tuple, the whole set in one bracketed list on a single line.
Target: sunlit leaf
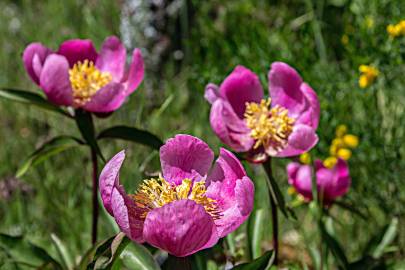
[(256, 228), (136, 256), (63, 252), (132, 134), (260, 263), (47, 150), (31, 99), (334, 247), (388, 237)]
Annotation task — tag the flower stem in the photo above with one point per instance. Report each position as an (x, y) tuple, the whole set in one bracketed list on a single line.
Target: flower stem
[(173, 262), (274, 213), (94, 197)]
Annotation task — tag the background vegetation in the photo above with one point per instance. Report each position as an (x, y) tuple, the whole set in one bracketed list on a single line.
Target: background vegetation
[(200, 42)]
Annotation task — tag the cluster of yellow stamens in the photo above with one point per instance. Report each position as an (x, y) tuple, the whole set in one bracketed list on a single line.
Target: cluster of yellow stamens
[(86, 80), (155, 193), (270, 127)]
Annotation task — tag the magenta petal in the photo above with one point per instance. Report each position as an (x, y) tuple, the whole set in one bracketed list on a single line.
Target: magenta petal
[(55, 81), (284, 87), (292, 169), (34, 67), (334, 182), (78, 50), (109, 175), (185, 156), (211, 93), (310, 115), (112, 58), (227, 168), (241, 86), (301, 140), (107, 99), (127, 215), (229, 127), (136, 72), (181, 228), (303, 181)]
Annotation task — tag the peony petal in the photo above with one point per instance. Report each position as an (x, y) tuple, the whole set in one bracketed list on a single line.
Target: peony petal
[(136, 72), (284, 88), (211, 93), (229, 127), (185, 156), (33, 67), (107, 99), (343, 180), (112, 58), (301, 140), (292, 169), (78, 50), (310, 115), (227, 168), (300, 177), (241, 86), (128, 216), (54, 80), (181, 228), (109, 175)]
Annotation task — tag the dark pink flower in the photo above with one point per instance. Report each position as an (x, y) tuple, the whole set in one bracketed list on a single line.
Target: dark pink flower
[(331, 182), (189, 207), (77, 75), (283, 125)]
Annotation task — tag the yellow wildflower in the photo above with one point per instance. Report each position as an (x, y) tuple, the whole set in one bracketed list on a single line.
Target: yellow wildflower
[(351, 140), (368, 75), (344, 153), (305, 158), (341, 130), (330, 162), (396, 30)]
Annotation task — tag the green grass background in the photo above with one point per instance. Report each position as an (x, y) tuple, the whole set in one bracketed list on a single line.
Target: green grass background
[(215, 36)]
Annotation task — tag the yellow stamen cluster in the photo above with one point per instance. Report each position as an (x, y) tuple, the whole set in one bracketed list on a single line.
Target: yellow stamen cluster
[(341, 146), (368, 75), (86, 80), (396, 30), (270, 127), (155, 193)]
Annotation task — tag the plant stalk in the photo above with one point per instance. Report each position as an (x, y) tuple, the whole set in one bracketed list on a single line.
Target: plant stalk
[(94, 197), (173, 262), (274, 210)]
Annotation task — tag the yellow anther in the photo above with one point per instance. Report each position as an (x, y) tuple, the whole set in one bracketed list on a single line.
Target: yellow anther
[(351, 140), (330, 162), (155, 193), (305, 158), (344, 153), (86, 80), (270, 127)]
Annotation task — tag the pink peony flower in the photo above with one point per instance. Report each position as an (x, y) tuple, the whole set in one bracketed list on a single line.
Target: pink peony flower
[(284, 125), (76, 75), (187, 208), (331, 182)]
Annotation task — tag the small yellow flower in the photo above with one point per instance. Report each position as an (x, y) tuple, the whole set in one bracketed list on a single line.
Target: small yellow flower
[(338, 142), (330, 162), (368, 75), (344, 153), (333, 150), (351, 140), (341, 130), (345, 39), (396, 30), (305, 158), (402, 24)]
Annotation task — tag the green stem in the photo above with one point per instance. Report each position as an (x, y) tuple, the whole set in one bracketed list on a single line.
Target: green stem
[(274, 213), (173, 262), (94, 197)]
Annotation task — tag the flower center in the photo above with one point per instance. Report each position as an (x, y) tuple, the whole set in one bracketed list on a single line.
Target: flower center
[(155, 193), (270, 127), (86, 80)]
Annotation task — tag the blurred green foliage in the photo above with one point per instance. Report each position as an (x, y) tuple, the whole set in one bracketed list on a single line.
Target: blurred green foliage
[(325, 40)]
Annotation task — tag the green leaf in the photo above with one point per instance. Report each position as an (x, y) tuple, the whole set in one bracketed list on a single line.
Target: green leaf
[(351, 208), (47, 150), (108, 252), (388, 237), (261, 263), (256, 228), (136, 256), (132, 134), (334, 246), (63, 252), (32, 99), (85, 124), (23, 252)]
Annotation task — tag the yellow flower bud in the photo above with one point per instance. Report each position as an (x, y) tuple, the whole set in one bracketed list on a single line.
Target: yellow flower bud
[(351, 140), (330, 162), (363, 81), (338, 142), (333, 150), (291, 191), (305, 158), (341, 130), (344, 153)]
